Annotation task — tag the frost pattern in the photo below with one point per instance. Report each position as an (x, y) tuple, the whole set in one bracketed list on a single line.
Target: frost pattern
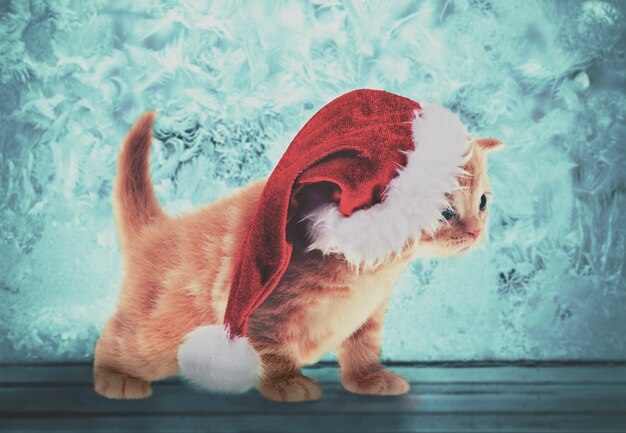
[(232, 82)]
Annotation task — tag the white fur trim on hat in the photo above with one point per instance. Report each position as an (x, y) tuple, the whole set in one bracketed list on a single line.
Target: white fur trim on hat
[(212, 360), (412, 202)]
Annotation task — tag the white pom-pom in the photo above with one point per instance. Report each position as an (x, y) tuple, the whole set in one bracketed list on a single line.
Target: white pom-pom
[(212, 360)]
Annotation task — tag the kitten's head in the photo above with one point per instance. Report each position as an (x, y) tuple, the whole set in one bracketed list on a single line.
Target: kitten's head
[(464, 223)]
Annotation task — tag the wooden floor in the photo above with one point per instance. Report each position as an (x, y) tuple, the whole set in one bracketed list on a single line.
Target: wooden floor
[(443, 398)]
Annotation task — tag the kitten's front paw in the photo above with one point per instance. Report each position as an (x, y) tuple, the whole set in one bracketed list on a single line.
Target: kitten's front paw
[(375, 382), (292, 389)]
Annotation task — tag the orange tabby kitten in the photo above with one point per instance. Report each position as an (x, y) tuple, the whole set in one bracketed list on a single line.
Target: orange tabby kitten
[(177, 277)]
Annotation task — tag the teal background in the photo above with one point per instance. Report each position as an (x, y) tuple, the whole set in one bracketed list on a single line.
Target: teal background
[(233, 82)]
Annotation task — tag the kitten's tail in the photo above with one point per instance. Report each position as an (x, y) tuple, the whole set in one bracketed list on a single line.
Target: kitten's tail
[(134, 203)]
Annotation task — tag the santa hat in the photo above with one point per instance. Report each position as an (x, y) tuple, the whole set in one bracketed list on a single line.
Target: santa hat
[(390, 161)]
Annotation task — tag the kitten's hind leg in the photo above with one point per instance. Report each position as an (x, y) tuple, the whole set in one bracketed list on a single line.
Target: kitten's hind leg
[(110, 379), (283, 381), (111, 384)]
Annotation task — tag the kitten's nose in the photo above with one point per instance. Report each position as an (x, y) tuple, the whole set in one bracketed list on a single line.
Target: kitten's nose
[(472, 227), (474, 232)]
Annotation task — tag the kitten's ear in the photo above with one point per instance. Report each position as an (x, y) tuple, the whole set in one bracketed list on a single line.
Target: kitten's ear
[(489, 144)]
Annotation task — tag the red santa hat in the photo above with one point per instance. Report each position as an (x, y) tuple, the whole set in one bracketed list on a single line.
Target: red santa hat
[(391, 161)]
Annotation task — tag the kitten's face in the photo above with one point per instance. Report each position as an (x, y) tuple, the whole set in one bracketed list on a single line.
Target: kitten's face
[(466, 220)]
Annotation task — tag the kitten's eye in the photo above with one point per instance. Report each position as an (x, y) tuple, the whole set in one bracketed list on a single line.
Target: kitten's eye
[(447, 213), (483, 202)]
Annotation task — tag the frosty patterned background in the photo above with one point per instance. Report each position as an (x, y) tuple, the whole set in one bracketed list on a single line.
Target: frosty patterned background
[(233, 82)]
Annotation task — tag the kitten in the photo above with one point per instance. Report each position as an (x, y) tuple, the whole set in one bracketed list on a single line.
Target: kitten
[(177, 277)]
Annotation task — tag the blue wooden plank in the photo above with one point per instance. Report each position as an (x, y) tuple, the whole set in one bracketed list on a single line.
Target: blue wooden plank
[(573, 398), (417, 374), (447, 398), (330, 423)]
